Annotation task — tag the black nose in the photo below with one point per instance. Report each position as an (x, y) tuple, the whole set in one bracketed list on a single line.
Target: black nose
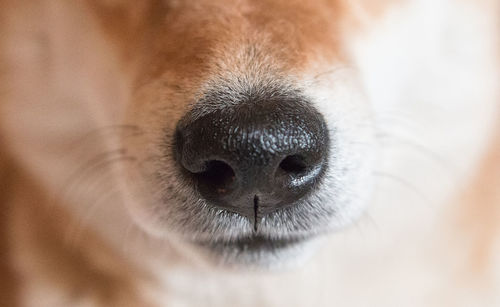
[(261, 155)]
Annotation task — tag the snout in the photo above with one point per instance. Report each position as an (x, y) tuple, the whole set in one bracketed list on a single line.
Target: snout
[(255, 156)]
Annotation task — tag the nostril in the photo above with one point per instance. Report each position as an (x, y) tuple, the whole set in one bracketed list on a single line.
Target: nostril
[(296, 173), (293, 164), (217, 178)]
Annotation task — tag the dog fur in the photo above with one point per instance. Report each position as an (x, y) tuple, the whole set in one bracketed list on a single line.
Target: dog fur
[(95, 213)]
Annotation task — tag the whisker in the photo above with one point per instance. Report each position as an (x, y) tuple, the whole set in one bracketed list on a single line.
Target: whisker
[(100, 162), (130, 230), (126, 130), (105, 137), (92, 145), (331, 71), (398, 121), (102, 183), (450, 169), (369, 218), (77, 229), (405, 183)]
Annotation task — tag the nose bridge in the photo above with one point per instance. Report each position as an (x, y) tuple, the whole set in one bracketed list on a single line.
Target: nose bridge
[(255, 155)]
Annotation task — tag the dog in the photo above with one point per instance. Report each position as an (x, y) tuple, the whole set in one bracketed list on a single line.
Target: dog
[(250, 153)]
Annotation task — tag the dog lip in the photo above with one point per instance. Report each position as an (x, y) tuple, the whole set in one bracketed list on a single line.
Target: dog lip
[(253, 243)]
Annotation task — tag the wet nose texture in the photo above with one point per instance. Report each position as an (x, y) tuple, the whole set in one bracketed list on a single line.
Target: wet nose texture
[(253, 157)]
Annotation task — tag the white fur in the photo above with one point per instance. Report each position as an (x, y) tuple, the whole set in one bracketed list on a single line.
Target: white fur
[(432, 89), (430, 95)]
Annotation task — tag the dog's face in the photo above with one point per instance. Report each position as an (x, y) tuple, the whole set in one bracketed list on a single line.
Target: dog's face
[(239, 128), (254, 129)]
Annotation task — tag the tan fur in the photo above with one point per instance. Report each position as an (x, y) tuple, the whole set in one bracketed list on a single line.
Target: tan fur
[(480, 212), (95, 271), (136, 49)]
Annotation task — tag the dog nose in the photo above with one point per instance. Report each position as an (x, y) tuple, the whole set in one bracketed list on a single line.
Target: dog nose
[(255, 155)]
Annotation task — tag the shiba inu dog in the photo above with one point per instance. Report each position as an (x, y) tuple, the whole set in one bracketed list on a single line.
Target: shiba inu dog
[(250, 153)]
